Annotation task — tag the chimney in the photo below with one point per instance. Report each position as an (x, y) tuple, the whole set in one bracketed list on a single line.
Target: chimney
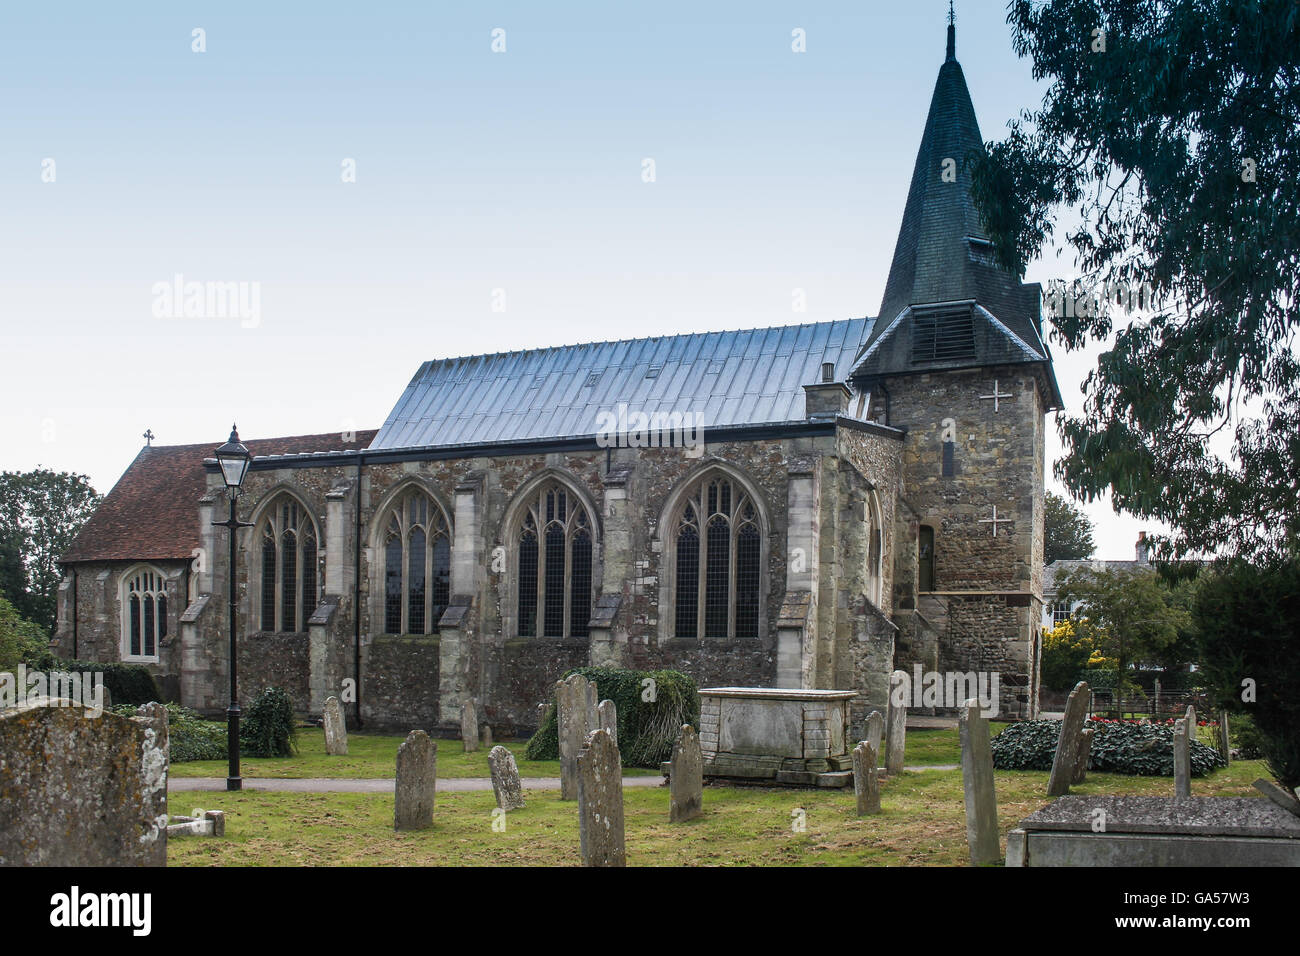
[(1142, 547), (828, 398)]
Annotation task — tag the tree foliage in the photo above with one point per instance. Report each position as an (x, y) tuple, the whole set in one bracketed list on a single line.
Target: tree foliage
[(1127, 615), (1067, 531), (1169, 137), (41, 512), (21, 641)]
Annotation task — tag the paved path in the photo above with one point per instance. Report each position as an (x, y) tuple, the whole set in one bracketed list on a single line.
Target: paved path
[(385, 785)]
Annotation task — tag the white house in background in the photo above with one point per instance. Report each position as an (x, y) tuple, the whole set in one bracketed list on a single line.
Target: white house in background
[(1054, 612)]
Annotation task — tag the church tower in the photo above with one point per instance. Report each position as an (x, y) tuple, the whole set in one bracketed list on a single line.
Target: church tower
[(956, 358)]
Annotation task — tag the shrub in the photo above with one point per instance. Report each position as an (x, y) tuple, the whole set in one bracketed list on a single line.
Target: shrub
[(21, 641), (1128, 748), (268, 728), (1250, 742), (190, 737), (646, 729)]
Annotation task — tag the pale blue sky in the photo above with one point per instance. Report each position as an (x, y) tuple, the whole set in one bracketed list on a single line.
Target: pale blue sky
[(475, 171)]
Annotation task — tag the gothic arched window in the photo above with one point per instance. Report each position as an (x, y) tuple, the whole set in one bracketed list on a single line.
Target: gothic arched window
[(417, 564), (554, 554), (875, 550), (144, 614), (718, 544), (288, 546)]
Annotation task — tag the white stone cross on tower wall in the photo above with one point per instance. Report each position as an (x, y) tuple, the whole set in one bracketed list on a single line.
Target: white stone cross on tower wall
[(996, 396), (995, 521)]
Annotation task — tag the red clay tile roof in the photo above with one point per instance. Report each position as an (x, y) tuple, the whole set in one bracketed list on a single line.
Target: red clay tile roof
[(152, 511)]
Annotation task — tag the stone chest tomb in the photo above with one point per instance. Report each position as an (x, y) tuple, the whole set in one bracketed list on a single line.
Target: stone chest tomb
[(783, 735)]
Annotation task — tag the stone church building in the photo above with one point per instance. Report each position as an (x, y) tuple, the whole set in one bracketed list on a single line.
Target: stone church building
[(823, 503)]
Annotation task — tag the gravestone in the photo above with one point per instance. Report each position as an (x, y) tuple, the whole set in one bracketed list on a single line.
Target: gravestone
[(505, 779), (895, 727), (686, 777), (336, 731), (1084, 755), (873, 730), (469, 725), (1067, 744), (866, 778), (417, 781), (541, 715), (600, 802), (576, 717), (485, 736), (1225, 739), (1182, 758), (79, 790), (1191, 722), (977, 780), (607, 718)]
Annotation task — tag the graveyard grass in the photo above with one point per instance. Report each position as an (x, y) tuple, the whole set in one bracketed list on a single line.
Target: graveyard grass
[(370, 756), (922, 823), (375, 755)]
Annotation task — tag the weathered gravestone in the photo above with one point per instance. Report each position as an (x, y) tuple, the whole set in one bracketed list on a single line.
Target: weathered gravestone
[(576, 717), (469, 724), (485, 736), (1182, 759), (1224, 739), (896, 724), (977, 780), (1067, 744), (417, 781), (873, 730), (866, 778), (82, 791), (505, 779), (336, 731), (541, 715), (600, 802), (686, 777), (1083, 756), (607, 718)]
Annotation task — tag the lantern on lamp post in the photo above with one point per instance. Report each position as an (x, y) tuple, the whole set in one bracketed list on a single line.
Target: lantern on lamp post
[(233, 459)]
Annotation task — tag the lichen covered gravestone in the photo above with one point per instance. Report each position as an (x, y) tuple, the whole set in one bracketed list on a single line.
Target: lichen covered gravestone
[(417, 781), (866, 778), (82, 791), (873, 730), (576, 717), (1182, 758), (977, 781), (607, 718), (686, 777), (505, 779), (336, 731), (896, 725), (1067, 744), (1083, 755), (469, 725), (600, 802)]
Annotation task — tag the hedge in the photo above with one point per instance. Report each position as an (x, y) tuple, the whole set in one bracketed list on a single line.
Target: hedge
[(1128, 748), (126, 683), (190, 737), (646, 729)]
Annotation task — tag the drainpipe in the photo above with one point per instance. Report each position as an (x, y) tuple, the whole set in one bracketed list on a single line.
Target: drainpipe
[(74, 613), (356, 599)]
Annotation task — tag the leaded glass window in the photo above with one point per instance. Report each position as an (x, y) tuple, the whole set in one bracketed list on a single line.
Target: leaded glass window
[(289, 566), (555, 577), (417, 564), (719, 547)]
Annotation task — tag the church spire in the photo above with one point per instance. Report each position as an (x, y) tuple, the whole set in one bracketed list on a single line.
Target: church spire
[(952, 33), (943, 259)]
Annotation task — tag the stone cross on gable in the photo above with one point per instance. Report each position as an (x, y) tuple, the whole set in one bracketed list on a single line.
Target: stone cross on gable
[(148, 437), (995, 521), (996, 396)]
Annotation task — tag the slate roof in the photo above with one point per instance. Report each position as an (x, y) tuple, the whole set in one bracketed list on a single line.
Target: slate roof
[(750, 377), (152, 511), (943, 254)]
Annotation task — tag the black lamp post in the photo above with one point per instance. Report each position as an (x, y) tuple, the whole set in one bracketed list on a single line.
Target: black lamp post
[(234, 459)]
